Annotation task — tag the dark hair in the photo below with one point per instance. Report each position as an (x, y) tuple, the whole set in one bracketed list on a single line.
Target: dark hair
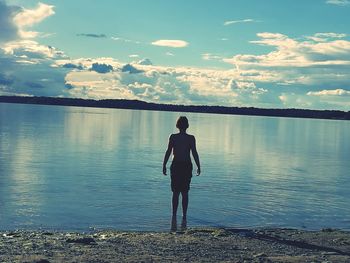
[(182, 123)]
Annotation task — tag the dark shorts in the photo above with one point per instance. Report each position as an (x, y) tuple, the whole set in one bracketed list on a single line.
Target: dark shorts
[(181, 174)]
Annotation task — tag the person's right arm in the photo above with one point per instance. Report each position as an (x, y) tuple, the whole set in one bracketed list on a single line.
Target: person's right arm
[(167, 153), (195, 155)]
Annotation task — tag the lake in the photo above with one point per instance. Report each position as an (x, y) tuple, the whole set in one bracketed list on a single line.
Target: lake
[(72, 168)]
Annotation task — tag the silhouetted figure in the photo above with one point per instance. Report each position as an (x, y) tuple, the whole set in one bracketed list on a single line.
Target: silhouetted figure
[(181, 144)]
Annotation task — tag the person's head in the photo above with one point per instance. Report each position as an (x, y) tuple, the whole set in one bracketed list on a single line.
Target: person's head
[(182, 123)]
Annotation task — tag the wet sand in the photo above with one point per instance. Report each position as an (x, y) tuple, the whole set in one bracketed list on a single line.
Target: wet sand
[(192, 245)]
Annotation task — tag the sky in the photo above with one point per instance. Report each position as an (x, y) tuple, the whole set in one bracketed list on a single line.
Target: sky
[(245, 53)]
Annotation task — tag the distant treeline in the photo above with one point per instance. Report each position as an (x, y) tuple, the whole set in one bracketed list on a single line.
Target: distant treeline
[(142, 105)]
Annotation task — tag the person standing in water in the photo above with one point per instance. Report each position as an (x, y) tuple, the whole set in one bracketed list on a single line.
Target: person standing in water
[(181, 144)]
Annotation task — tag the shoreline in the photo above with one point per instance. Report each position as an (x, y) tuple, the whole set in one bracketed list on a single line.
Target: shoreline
[(191, 245), (143, 105)]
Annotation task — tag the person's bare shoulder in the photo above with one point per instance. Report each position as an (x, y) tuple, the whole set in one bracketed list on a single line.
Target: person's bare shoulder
[(191, 138), (172, 137), (175, 137)]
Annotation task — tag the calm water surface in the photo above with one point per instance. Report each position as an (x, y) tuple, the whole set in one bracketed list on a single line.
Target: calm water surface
[(71, 168)]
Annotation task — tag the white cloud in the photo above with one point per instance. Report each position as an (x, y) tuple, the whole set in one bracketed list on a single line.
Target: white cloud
[(134, 56), (145, 62), (330, 99), (29, 49), (45, 35), (330, 35), (170, 43), (338, 2), (292, 54), (324, 37), (14, 21), (230, 22), (170, 54), (125, 40), (335, 92), (210, 56), (275, 39), (86, 63), (29, 17)]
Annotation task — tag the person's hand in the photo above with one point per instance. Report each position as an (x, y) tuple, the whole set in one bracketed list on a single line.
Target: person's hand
[(164, 170), (198, 171)]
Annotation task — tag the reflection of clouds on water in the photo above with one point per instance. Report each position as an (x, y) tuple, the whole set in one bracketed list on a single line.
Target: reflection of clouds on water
[(269, 143), (108, 128), (89, 127), (144, 129), (26, 181)]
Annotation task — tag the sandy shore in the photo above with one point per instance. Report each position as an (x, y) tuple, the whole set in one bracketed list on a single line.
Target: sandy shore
[(192, 245)]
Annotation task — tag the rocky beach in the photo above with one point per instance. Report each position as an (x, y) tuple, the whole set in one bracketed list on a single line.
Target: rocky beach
[(192, 245)]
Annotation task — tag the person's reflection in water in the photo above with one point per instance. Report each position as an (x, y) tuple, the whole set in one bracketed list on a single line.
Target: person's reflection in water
[(181, 144)]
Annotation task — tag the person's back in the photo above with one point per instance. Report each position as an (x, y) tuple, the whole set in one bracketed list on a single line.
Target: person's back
[(182, 145)]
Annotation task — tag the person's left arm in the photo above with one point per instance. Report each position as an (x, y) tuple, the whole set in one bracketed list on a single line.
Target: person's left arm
[(195, 154)]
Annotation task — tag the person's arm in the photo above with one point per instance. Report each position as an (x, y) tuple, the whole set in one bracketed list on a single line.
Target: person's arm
[(167, 154), (195, 155)]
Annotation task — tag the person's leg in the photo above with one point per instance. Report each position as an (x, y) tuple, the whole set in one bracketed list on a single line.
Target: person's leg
[(184, 209), (184, 204), (175, 202)]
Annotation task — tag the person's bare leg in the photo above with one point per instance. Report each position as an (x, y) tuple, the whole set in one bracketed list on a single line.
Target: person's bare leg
[(175, 204), (184, 209), (184, 204)]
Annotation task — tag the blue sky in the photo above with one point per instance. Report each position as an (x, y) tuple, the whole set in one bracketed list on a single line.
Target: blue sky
[(235, 53)]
